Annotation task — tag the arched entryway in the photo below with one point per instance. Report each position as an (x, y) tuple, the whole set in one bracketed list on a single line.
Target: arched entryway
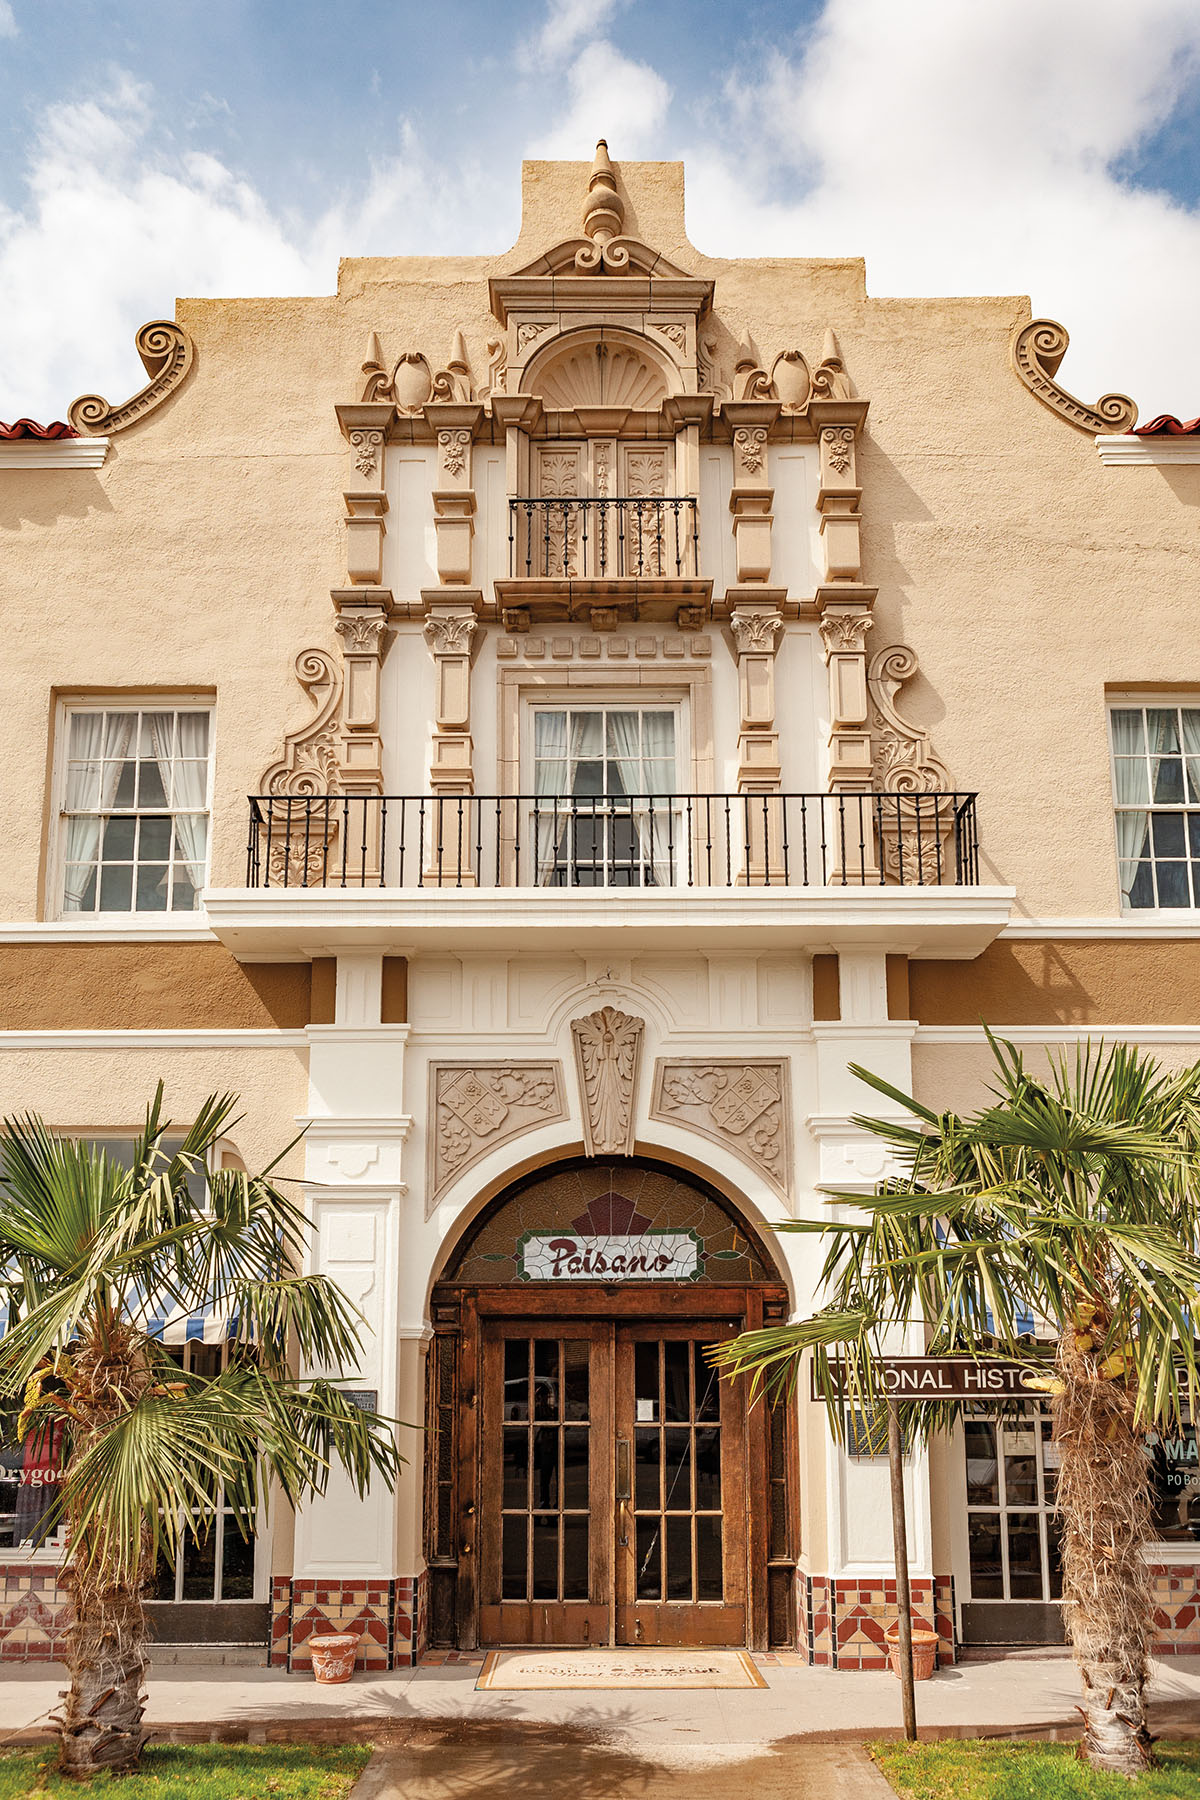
[(588, 1479)]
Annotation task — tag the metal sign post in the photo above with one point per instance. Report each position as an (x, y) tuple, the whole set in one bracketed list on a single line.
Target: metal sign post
[(900, 1554)]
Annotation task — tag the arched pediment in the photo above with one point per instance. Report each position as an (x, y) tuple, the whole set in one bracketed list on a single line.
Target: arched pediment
[(594, 370)]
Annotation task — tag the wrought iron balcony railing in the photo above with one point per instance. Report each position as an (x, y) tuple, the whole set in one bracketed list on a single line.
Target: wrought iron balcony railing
[(576, 539), (613, 841)]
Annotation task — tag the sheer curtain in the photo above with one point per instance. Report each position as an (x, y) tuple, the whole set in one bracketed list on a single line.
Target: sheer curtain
[(1132, 790), (99, 743), (643, 751), (188, 799), (557, 752)]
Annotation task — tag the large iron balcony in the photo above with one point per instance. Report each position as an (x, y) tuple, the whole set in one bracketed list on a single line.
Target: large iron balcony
[(563, 539), (612, 841)]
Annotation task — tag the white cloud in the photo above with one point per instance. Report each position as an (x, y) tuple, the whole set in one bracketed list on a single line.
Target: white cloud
[(610, 96), (8, 23), (567, 23), (970, 149)]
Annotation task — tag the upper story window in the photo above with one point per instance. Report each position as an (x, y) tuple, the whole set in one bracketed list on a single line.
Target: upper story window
[(1156, 791), (134, 808), (615, 769)]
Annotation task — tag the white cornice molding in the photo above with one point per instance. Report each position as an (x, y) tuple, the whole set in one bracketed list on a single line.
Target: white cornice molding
[(1123, 449), (366, 1125), (53, 453), (231, 1039), (1127, 925), (1059, 1034), (69, 931)]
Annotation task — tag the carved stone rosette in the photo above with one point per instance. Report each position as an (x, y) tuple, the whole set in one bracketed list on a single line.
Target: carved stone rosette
[(475, 1107), (608, 1046), (741, 1104)]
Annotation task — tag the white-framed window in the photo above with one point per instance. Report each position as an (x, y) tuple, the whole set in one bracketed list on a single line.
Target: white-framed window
[(1156, 796), (605, 774), (134, 796), (217, 1564)]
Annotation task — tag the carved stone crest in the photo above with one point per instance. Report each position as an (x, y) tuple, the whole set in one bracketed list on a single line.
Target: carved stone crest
[(607, 1048), (749, 448), (741, 1104), (474, 1107)]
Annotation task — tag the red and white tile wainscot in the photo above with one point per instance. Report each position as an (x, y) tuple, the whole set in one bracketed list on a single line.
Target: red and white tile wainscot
[(391, 1615), (35, 1613), (843, 1619)]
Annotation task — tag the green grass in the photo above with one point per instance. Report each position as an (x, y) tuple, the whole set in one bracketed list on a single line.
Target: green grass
[(204, 1772), (978, 1769)]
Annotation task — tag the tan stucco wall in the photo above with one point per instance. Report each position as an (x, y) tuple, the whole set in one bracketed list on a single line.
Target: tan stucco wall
[(146, 987), (1118, 981), (1024, 574)]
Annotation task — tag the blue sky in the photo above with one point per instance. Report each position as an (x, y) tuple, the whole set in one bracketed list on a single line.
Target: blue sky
[(1049, 147)]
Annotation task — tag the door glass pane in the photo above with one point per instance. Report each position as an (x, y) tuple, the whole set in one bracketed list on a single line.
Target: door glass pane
[(708, 1387), (1024, 1557), (513, 1557), (647, 1452), (678, 1470), (983, 1487), (575, 1558), (516, 1378), (679, 1559), (545, 1467), (1020, 1481), (516, 1466), (649, 1556), (677, 1403), (545, 1557), (237, 1564), (575, 1467), (545, 1378), (200, 1566), (645, 1383), (575, 1380), (987, 1575), (708, 1558), (708, 1468)]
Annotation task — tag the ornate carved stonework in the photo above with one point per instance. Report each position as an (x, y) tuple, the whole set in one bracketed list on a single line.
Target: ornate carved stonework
[(409, 384), (450, 634), (741, 1104), (1037, 349), (904, 759), (607, 1048), (603, 217), (845, 632), (750, 379), (454, 447), (167, 353), (529, 334), (675, 334), (791, 381), (829, 379), (366, 445), (309, 764), (497, 381), (474, 1107), (838, 441), (755, 631), (363, 634), (454, 382), (750, 449)]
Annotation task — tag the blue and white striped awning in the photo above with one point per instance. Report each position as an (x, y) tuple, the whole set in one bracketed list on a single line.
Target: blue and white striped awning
[(170, 1324)]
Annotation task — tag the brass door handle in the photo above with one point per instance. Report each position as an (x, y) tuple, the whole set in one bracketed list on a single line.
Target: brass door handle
[(624, 1470)]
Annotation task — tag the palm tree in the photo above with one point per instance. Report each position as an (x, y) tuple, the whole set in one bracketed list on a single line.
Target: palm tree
[(91, 1252), (1073, 1198)]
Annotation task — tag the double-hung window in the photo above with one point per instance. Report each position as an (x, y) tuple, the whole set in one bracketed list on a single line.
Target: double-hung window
[(1156, 793), (604, 785), (134, 808)]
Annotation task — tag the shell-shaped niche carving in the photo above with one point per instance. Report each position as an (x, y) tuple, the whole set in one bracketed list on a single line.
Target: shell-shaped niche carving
[(603, 374)]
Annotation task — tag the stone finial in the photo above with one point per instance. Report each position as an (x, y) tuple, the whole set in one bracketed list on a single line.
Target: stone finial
[(830, 380), (603, 208), (603, 217)]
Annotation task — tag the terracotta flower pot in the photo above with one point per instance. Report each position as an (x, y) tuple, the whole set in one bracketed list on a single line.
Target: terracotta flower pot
[(924, 1651), (333, 1656)]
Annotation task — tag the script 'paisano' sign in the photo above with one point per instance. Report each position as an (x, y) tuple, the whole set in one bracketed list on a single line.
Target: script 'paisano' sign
[(940, 1378), (584, 1256)]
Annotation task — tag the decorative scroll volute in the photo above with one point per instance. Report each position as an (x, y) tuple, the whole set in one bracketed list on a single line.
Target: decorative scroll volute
[(167, 353), (603, 217), (1037, 349), (905, 762), (309, 764)]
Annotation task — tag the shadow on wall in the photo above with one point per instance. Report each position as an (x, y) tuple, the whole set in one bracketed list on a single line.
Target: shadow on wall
[(46, 496)]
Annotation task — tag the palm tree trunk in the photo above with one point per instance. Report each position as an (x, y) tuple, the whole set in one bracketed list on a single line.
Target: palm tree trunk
[(1104, 1507), (101, 1720)]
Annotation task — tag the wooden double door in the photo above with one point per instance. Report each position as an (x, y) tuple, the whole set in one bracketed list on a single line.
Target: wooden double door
[(612, 1504)]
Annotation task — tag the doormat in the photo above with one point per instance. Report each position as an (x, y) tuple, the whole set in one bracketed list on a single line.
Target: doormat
[(545, 1669)]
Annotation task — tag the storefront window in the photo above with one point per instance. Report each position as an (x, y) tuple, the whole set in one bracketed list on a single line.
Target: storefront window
[(218, 1563), (28, 1482), (1012, 1533), (1175, 1484)]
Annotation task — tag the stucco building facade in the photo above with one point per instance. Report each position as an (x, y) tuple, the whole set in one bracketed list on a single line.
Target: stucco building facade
[(532, 721)]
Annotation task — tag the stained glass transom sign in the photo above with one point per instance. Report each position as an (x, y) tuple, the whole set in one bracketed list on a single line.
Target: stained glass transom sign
[(610, 1220)]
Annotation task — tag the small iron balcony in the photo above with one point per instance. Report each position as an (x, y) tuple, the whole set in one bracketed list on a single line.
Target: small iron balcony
[(613, 841), (626, 539)]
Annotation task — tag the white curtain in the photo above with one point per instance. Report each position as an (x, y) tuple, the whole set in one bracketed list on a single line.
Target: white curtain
[(99, 744), (189, 799), (643, 749), (1132, 790), (555, 760)]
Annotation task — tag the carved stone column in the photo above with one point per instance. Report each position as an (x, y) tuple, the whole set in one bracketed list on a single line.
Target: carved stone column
[(757, 624), (845, 620), (363, 629), (450, 627), (455, 424), (366, 426), (751, 495)]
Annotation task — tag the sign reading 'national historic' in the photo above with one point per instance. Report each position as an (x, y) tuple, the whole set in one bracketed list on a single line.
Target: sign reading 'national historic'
[(584, 1256), (941, 1378)]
